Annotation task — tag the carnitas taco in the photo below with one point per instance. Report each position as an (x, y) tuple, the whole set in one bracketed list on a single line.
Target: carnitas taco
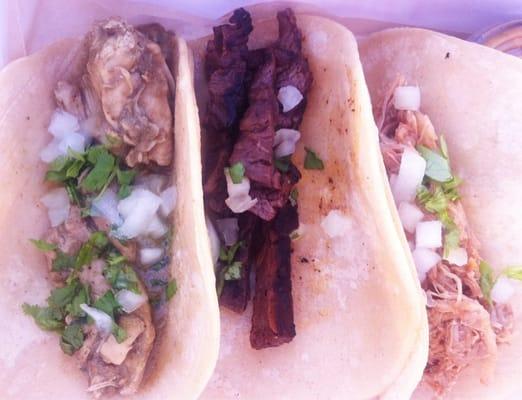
[(107, 287), (309, 267), (449, 120)]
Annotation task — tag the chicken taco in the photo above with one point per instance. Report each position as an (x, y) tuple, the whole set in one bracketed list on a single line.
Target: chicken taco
[(449, 121), (301, 231), (107, 287)]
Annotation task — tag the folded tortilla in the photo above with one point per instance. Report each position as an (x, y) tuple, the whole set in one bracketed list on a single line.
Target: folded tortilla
[(32, 366), (361, 333), (472, 95)]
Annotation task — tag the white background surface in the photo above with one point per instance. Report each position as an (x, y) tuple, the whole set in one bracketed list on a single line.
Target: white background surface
[(27, 25)]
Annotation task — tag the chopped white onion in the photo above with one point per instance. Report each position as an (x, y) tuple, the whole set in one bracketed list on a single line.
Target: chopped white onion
[(410, 216), (50, 152), (139, 212), (229, 229), (73, 141), (407, 98), (411, 173), (149, 256), (425, 260), (168, 200), (107, 206), (62, 124), (239, 199), (336, 224), (285, 141), (503, 290), (153, 182), (289, 97), (130, 301), (213, 238), (57, 203), (102, 320), (240, 204), (458, 256), (428, 234), (156, 228)]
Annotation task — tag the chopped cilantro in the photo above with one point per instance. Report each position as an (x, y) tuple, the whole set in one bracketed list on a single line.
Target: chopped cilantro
[(91, 249), (43, 245), (233, 271), (171, 289), (282, 163), (121, 276), (487, 280), (62, 296), (227, 254), (433, 201), (119, 333), (237, 172), (294, 193), (102, 173), (312, 161), (125, 178), (437, 167), (514, 272), (107, 303), (47, 318), (72, 339), (81, 297), (63, 261), (451, 240)]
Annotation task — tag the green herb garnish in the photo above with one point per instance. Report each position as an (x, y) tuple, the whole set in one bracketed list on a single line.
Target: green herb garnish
[(72, 339), (108, 304), (91, 250), (282, 163), (119, 333), (121, 276), (312, 160), (81, 297), (487, 280), (171, 289), (43, 245), (237, 172), (47, 318), (437, 166)]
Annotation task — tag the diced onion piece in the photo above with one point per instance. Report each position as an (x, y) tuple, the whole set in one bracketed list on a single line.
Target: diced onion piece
[(238, 199), (240, 204), (156, 228), (139, 211), (62, 124), (285, 141), (407, 98), (107, 206), (73, 141), (425, 260), (286, 135), (130, 301), (289, 97), (149, 256), (168, 200), (410, 216), (503, 290), (336, 224), (213, 238), (57, 203), (411, 173), (50, 152), (458, 256), (428, 234), (102, 320), (229, 229)]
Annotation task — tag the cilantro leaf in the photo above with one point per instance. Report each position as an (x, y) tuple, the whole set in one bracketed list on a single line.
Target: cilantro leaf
[(119, 333), (108, 304), (171, 289), (282, 163), (513, 272), (72, 339), (43, 245), (62, 296), (47, 318), (237, 172), (62, 261), (102, 173), (233, 271), (81, 297), (125, 179), (90, 250), (121, 276), (451, 240), (312, 160), (437, 167), (487, 280)]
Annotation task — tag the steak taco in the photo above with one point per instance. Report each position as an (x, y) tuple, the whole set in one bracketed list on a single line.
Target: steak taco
[(312, 304), (103, 244), (449, 120)]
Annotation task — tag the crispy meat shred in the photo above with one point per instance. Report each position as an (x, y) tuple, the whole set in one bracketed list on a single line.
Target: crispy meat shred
[(464, 327), (243, 115)]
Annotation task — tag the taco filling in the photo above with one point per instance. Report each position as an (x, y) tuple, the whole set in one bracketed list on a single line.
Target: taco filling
[(468, 307), (109, 166), (257, 98)]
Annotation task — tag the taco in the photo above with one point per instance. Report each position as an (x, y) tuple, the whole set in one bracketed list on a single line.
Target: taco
[(449, 119), (299, 222), (102, 216)]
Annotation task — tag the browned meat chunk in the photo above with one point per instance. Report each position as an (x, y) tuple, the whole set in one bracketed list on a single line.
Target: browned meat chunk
[(273, 315)]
